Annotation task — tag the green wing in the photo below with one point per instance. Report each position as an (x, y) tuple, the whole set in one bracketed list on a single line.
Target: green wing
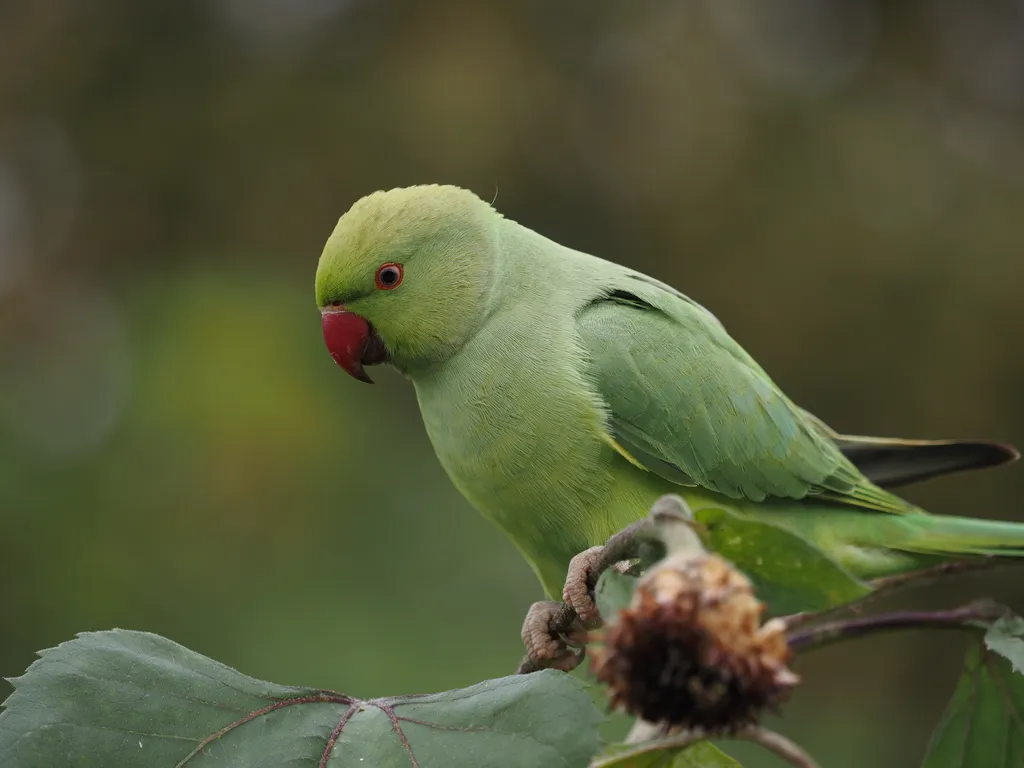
[(689, 404)]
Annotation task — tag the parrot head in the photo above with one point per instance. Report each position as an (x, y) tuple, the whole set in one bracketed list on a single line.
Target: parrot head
[(404, 277)]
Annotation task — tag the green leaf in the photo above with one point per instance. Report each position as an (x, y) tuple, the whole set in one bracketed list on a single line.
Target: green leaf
[(1006, 637), (123, 698), (983, 725), (612, 594), (789, 573), (654, 754)]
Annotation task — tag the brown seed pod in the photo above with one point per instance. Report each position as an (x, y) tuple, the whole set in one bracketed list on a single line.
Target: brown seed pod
[(690, 649)]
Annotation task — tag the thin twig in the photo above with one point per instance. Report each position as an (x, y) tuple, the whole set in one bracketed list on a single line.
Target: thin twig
[(889, 584), (965, 617), (927, 576), (788, 750)]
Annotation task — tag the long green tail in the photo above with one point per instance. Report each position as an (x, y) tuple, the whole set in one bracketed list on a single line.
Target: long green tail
[(949, 536), (873, 545)]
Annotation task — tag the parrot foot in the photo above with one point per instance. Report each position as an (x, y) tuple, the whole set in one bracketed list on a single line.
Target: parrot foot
[(555, 634), (546, 648), (584, 571)]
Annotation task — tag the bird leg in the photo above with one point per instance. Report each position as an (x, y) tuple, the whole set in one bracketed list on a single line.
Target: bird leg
[(555, 634), (619, 552), (584, 571)]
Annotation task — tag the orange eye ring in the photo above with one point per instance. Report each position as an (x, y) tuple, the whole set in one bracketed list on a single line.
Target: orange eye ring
[(389, 276)]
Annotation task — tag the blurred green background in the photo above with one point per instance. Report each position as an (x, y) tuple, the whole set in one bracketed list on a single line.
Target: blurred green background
[(842, 183)]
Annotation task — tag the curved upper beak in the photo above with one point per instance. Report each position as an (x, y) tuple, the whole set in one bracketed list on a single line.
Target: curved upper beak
[(351, 341)]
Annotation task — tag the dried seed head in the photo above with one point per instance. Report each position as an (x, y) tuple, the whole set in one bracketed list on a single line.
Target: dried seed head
[(691, 651)]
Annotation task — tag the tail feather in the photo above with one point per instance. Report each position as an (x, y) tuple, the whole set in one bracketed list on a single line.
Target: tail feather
[(952, 537), (890, 462), (871, 546)]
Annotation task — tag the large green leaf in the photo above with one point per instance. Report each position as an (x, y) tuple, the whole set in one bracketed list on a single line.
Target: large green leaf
[(983, 725), (122, 698), (651, 754), (789, 573)]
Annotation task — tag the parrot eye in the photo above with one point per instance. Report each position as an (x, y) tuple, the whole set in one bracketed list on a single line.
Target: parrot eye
[(389, 276)]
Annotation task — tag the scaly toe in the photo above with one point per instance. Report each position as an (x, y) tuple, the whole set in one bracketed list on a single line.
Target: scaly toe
[(543, 647), (578, 583)]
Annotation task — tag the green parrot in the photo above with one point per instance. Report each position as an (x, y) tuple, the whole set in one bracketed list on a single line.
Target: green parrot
[(564, 394)]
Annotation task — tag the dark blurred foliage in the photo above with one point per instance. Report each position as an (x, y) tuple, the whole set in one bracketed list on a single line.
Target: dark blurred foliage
[(842, 183)]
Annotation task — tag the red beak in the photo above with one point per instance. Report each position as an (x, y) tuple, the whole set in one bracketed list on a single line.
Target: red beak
[(352, 342)]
